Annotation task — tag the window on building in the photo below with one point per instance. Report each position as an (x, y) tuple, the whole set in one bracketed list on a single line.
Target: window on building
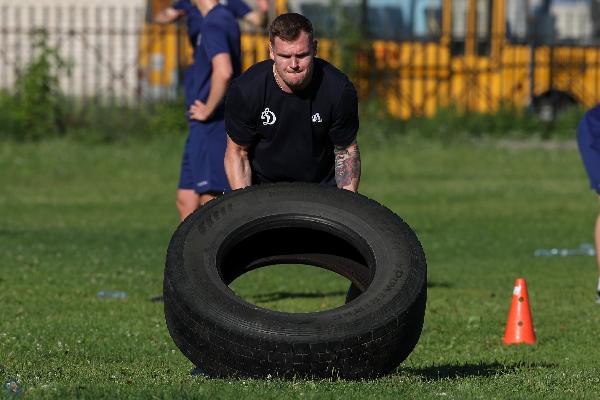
[(386, 19), (553, 21), (460, 21)]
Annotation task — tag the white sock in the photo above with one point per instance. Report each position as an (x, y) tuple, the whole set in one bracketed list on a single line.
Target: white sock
[(598, 285)]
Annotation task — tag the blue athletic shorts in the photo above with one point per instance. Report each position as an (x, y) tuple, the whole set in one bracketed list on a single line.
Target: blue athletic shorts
[(202, 166), (588, 149)]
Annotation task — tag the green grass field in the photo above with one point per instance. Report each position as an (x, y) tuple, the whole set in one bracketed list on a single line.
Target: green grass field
[(76, 219)]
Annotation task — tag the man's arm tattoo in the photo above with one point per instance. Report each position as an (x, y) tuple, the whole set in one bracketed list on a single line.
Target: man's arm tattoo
[(347, 166)]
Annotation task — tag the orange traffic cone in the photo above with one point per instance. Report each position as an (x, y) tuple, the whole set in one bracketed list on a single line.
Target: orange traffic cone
[(519, 327)]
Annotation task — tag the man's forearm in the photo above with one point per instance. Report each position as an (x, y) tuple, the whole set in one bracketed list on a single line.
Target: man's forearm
[(218, 87), (221, 75), (347, 167), (237, 166), (168, 15), (257, 18)]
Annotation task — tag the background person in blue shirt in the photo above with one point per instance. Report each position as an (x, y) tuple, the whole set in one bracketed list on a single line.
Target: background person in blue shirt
[(588, 139), (217, 59), (188, 198), (185, 8)]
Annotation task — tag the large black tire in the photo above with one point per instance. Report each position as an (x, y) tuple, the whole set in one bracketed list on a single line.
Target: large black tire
[(295, 223)]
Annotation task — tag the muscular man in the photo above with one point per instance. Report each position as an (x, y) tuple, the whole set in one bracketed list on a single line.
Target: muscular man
[(217, 59), (293, 117)]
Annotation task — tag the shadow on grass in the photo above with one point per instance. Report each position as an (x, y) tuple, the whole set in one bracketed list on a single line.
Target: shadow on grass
[(275, 296), (450, 371), (443, 285)]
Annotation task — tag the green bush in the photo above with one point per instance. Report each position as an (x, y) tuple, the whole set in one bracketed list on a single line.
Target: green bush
[(452, 124), (104, 122), (168, 119), (36, 108)]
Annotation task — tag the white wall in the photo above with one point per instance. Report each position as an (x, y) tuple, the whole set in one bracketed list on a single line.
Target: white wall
[(99, 39)]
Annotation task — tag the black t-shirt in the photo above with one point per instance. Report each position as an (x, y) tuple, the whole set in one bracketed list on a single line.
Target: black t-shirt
[(291, 135)]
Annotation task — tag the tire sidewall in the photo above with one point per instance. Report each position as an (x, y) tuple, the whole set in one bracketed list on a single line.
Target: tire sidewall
[(192, 277)]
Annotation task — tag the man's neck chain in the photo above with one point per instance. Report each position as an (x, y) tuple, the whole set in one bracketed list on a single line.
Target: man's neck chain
[(277, 78)]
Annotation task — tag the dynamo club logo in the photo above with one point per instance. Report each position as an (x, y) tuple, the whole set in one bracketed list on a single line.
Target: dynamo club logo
[(268, 117)]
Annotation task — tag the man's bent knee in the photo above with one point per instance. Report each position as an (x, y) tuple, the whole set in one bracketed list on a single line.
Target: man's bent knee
[(187, 202)]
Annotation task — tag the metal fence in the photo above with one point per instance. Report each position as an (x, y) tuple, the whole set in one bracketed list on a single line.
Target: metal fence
[(98, 43), (114, 54)]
